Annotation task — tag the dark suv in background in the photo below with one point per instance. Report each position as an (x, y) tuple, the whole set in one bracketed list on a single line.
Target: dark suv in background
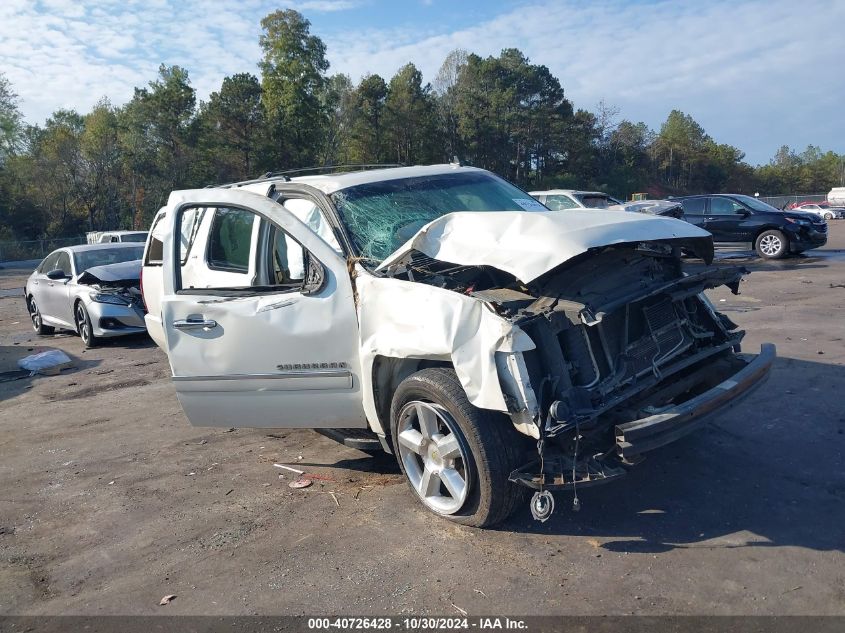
[(734, 218)]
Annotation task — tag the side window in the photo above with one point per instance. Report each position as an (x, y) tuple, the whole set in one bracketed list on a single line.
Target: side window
[(155, 251), (560, 203), (49, 263), (245, 254), (694, 206), (724, 206), (288, 259), (189, 227), (63, 263), (230, 240)]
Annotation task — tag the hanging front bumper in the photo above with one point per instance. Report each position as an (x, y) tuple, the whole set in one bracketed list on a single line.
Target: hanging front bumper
[(646, 434)]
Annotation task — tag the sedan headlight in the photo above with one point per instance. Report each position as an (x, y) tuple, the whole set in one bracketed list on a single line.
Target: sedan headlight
[(107, 297)]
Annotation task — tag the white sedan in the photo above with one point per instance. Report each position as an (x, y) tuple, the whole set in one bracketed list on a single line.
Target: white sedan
[(823, 211)]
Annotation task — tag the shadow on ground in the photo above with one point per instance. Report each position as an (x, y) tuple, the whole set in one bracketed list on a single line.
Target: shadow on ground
[(803, 261), (14, 381), (769, 473)]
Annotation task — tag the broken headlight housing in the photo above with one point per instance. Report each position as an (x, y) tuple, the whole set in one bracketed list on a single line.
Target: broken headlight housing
[(108, 297)]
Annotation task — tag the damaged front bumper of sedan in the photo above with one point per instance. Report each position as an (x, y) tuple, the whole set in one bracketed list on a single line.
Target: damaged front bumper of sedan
[(628, 353), (114, 303)]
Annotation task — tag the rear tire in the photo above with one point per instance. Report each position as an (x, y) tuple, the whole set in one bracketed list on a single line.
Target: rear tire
[(84, 327), (455, 457), (37, 319), (771, 245)]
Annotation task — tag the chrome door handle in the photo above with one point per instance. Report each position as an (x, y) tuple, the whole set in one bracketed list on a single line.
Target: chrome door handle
[(194, 324)]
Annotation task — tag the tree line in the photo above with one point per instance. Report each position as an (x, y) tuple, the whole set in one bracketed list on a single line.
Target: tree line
[(113, 167)]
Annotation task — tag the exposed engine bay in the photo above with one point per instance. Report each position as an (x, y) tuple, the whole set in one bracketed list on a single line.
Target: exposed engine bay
[(120, 280), (621, 333)]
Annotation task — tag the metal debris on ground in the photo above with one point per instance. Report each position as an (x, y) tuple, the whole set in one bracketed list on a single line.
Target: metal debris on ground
[(168, 599), (293, 470), (300, 483)]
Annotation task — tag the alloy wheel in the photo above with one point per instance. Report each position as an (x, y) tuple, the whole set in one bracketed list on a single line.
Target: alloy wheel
[(433, 456), (82, 324), (770, 245), (35, 315)]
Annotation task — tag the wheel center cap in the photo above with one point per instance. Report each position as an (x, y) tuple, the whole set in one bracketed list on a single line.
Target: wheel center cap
[(434, 455)]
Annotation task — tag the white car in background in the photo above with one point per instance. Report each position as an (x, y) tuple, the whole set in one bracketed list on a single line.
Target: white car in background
[(91, 289), (822, 210), (564, 199), (106, 237)]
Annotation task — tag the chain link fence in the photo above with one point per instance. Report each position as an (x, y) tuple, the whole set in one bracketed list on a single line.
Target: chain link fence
[(782, 202), (35, 249)]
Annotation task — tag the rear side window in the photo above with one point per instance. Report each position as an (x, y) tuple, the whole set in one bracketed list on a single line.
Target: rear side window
[(190, 225), (155, 251), (230, 239), (560, 203), (695, 206)]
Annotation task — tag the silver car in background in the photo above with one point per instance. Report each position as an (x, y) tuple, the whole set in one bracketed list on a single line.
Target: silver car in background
[(92, 289)]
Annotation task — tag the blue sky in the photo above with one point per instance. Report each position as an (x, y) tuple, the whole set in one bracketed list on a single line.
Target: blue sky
[(753, 73)]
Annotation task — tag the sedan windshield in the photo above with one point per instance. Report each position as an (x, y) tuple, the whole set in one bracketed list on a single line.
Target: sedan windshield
[(381, 216), (102, 256)]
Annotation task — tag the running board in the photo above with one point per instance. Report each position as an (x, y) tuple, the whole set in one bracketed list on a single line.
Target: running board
[(359, 439)]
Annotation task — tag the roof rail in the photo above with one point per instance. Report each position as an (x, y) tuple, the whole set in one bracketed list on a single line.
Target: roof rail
[(285, 175), (332, 168)]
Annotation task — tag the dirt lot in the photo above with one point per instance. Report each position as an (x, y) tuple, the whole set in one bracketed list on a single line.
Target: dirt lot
[(109, 500)]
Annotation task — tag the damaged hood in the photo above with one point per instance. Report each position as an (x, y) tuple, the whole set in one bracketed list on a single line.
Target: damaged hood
[(529, 244), (120, 274)]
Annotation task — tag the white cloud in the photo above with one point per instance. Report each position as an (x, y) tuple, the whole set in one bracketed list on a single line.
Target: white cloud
[(754, 73), (68, 54), (328, 6)]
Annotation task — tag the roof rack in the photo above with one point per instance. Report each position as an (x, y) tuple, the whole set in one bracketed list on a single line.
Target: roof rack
[(332, 168), (286, 174)]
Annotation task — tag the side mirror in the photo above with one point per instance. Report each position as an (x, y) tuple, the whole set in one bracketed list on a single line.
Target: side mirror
[(57, 275), (744, 213)]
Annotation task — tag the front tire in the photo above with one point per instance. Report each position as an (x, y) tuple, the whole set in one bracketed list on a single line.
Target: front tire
[(771, 245), (84, 327), (38, 320), (455, 457), (828, 216)]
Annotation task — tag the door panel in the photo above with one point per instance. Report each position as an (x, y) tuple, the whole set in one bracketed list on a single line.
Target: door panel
[(55, 297), (695, 210), (269, 358), (728, 221)]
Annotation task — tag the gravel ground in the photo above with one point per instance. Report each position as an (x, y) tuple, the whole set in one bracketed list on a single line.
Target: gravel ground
[(109, 500)]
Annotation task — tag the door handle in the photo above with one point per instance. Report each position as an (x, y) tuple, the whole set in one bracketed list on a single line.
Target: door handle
[(194, 324)]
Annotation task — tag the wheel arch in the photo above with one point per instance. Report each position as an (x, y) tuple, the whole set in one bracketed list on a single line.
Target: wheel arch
[(770, 227), (76, 302), (388, 372)]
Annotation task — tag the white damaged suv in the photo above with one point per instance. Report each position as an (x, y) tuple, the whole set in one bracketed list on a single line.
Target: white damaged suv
[(442, 314)]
